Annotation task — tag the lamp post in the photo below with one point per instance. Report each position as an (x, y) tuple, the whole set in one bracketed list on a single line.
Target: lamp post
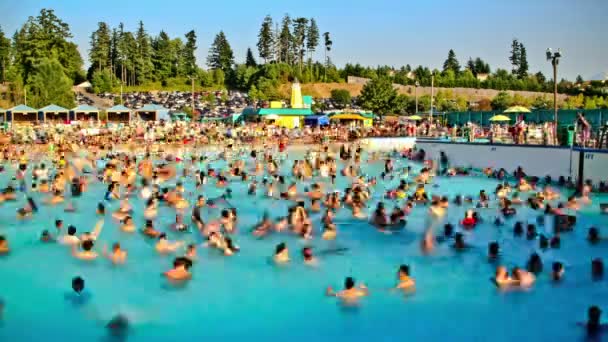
[(432, 95), (416, 94), (554, 58), (192, 78)]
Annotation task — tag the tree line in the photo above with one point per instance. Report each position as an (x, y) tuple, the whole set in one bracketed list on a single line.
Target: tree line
[(41, 60)]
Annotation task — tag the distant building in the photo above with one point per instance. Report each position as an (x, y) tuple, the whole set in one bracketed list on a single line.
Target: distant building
[(482, 77)]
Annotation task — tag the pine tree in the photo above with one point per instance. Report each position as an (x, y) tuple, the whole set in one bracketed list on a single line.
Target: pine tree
[(522, 70), (266, 40), (250, 60), (312, 37), (161, 56), (5, 50), (515, 55), (579, 79), (299, 39), (188, 56), (471, 66), (143, 67), (220, 53), (451, 63), (101, 43), (49, 84), (284, 40), (328, 44), (46, 37)]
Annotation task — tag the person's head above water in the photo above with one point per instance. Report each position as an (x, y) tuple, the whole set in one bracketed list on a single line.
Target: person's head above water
[(404, 269), (280, 248), (349, 283), (78, 284)]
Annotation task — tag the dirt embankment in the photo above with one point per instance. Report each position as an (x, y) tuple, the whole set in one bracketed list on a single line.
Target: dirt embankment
[(323, 90)]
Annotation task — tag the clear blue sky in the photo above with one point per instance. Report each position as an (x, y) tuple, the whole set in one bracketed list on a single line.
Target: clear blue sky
[(391, 32)]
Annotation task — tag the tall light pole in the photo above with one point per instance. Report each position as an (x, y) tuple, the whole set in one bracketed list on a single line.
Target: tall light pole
[(554, 58), (192, 78), (416, 94), (432, 95)]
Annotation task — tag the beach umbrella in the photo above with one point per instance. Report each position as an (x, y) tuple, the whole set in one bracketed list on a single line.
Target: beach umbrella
[(517, 109), (414, 118), (500, 118)]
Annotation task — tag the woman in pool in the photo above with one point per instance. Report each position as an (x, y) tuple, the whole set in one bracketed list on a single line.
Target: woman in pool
[(164, 246), (329, 227), (180, 272), (469, 221), (405, 282), (281, 254), (117, 256), (350, 292)]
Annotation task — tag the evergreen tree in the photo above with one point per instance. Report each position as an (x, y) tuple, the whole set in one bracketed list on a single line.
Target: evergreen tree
[(49, 84), (284, 40), (299, 39), (250, 60), (101, 44), (481, 67), (579, 79), (266, 40), (540, 77), (515, 55), (471, 66), (312, 37), (379, 96), (144, 67), (522, 70), (45, 37), (220, 54), (162, 56), (189, 59), (451, 63), (5, 51), (328, 44)]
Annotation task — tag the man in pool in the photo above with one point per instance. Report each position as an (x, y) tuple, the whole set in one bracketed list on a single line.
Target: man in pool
[(350, 292)]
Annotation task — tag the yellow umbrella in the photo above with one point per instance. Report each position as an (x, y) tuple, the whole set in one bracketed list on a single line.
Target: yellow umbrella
[(500, 118), (517, 109), (414, 117)]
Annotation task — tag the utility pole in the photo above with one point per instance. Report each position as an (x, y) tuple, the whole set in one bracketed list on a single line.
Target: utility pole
[(192, 78), (416, 94), (554, 58), (432, 95)]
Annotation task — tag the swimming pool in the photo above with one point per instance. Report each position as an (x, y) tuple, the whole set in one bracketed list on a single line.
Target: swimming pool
[(245, 296)]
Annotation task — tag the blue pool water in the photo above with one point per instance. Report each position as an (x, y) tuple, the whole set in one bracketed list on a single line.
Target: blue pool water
[(244, 296)]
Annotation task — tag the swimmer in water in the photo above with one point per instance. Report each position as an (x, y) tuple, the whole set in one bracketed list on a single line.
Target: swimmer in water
[(117, 256), (281, 254), (593, 325), (309, 258), (86, 253), (163, 246), (180, 272), (350, 292), (127, 225), (404, 281), (522, 278), (4, 248), (502, 278)]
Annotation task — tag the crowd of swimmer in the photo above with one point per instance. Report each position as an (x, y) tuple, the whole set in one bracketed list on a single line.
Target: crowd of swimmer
[(130, 178)]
